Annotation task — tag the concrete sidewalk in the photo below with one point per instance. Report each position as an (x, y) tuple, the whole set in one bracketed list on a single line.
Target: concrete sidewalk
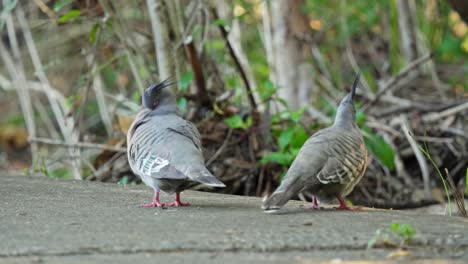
[(56, 221)]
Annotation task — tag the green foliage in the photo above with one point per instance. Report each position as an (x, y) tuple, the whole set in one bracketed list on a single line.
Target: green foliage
[(396, 235), (70, 16), (375, 144), (285, 137), (381, 150), (220, 22), (267, 90), (182, 104), (405, 231), (185, 80), (236, 121), (15, 120), (58, 5), (281, 158), (124, 181), (93, 32), (289, 140), (62, 173), (466, 181)]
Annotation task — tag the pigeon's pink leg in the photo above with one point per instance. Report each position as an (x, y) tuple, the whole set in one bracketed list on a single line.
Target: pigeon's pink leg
[(177, 201), (315, 205), (155, 203), (343, 205)]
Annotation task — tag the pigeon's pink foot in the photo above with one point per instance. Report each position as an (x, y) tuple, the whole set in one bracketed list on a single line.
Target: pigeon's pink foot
[(315, 205), (155, 203), (343, 205), (177, 202)]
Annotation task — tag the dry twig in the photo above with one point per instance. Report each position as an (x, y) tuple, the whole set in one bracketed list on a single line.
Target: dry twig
[(249, 91), (58, 143), (395, 79), (417, 152)]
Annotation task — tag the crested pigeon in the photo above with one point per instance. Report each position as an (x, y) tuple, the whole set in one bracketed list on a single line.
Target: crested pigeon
[(164, 149), (330, 163)]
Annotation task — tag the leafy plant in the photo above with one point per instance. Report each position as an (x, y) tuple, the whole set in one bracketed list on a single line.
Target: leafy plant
[(396, 235), (69, 16), (381, 150), (124, 181), (61, 4), (376, 144), (236, 121), (289, 140), (185, 80)]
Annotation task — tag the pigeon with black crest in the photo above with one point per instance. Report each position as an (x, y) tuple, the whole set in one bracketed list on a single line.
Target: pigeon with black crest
[(164, 149), (330, 163)]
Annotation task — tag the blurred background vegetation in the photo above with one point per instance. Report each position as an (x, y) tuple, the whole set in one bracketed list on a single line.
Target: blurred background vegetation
[(256, 77)]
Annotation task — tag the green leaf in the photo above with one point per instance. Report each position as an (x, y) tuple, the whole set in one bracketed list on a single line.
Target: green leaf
[(63, 173), (381, 150), (405, 231), (220, 22), (300, 137), (182, 104), (296, 116), (185, 80), (93, 32), (236, 121), (282, 158), (267, 90), (60, 4), (123, 181), (360, 118), (69, 16), (285, 137), (466, 180)]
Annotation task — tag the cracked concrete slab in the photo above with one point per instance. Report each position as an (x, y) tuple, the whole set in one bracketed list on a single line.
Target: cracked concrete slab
[(71, 221)]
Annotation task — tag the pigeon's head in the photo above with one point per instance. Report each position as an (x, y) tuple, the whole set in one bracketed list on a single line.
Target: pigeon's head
[(156, 96), (346, 113)]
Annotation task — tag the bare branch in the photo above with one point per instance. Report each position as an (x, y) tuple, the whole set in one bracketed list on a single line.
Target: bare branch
[(419, 155), (395, 79), (65, 123), (451, 111), (58, 143), (224, 33), (17, 74)]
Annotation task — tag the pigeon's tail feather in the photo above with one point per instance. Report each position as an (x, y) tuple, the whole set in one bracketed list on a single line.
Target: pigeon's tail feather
[(281, 196), (203, 175)]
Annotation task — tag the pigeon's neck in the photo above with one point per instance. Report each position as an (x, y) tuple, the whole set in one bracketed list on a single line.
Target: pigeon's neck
[(167, 105), (345, 117), (166, 109)]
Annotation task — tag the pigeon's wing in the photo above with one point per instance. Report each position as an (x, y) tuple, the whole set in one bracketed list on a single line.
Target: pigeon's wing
[(141, 118), (188, 130), (302, 172), (153, 161), (345, 160)]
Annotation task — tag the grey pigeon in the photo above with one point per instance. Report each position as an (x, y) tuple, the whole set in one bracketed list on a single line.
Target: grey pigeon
[(330, 163), (164, 149)]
